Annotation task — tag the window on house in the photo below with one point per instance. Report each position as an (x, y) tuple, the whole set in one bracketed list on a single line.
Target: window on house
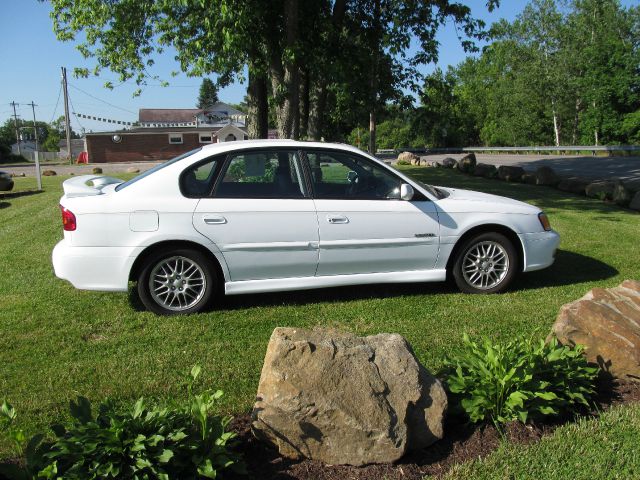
[(204, 138), (175, 138)]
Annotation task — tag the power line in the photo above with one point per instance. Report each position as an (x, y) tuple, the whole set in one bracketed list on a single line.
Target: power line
[(103, 101), (57, 101), (73, 110)]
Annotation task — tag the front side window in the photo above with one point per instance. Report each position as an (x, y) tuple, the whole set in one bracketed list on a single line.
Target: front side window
[(270, 174), (347, 176)]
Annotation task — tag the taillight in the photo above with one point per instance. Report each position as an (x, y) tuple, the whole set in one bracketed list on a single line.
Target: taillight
[(68, 219), (544, 221)]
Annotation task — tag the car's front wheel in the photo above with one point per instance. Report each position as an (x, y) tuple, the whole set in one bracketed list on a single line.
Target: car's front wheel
[(486, 263), (174, 282)]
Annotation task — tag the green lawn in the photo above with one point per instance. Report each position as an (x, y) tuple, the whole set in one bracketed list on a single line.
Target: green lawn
[(57, 342)]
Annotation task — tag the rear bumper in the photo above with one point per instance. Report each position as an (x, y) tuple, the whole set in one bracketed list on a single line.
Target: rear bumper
[(539, 249), (94, 268)]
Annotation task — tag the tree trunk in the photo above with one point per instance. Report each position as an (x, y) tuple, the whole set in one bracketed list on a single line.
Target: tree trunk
[(318, 103), (258, 114), (576, 119), (375, 48), (304, 104), (556, 126)]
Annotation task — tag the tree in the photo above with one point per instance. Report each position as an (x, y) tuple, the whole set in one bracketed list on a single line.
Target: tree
[(208, 94)]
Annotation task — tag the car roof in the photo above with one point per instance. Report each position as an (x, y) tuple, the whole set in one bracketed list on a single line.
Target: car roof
[(242, 144)]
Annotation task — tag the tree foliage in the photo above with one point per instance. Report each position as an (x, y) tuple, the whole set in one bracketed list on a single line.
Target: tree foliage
[(208, 94)]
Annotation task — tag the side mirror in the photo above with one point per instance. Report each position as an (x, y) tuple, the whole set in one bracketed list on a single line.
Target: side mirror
[(406, 192)]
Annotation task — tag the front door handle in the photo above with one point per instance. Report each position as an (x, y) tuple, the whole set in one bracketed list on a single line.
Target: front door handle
[(218, 220), (337, 219)]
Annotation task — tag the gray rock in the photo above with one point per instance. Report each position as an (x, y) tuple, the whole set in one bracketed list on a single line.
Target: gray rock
[(96, 170), (635, 202), (449, 162), (467, 163), (133, 170), (529, 178), (510, 174), (343, 399), (408, 158), (601, 189), (573, 184), (621, 195), (546, 176), (607, 322)]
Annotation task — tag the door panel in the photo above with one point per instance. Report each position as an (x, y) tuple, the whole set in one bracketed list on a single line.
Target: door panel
[(377, 236)]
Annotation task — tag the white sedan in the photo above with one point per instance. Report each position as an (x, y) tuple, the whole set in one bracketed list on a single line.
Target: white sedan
[(275, 215)]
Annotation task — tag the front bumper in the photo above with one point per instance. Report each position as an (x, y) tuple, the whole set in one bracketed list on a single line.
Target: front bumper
[(539, 249), (94, 268)]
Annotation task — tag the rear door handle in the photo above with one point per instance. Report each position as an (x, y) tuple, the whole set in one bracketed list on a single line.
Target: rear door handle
[(218, 220), (337, 219)]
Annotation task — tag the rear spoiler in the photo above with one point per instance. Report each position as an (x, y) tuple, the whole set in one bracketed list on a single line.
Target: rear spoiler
[(80, 186)]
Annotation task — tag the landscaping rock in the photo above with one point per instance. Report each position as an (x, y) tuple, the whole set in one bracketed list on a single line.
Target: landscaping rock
[(343, 399), (133, 170), (449, 162), (409, 157), (49, 173), (573, 184), (546, 176), (467, 163), (621, 195), (607, 322), (635, 202), (486, 171), (602, 189), (510, 174), (529, 178), (96, 170)]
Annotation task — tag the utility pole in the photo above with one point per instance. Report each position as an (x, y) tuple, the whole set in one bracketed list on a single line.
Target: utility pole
[(36, 153), (67, 125), (15, 123)]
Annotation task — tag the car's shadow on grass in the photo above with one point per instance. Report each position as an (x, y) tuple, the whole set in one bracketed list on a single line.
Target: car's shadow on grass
[(22, 193), (4, 205), (569, 268)]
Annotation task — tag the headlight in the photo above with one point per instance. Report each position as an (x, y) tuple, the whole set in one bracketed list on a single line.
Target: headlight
[(544, 221)]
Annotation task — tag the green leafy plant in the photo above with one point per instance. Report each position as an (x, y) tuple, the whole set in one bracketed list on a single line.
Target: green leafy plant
[(30, 451), (519, 380), (185, 442)]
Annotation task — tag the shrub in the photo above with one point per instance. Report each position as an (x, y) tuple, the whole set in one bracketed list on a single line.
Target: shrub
[(185, 442), (520, 380)]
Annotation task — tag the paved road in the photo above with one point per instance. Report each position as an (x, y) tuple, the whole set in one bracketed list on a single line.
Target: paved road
[(623, 168)]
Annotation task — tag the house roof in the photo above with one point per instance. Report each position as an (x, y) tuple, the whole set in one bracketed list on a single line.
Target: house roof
[(153, 130), (182, 115)]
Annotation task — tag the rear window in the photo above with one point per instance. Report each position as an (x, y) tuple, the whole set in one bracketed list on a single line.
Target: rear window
[(156, 168)]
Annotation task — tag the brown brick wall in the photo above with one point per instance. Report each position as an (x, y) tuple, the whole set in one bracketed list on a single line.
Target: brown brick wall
[(142, 147)]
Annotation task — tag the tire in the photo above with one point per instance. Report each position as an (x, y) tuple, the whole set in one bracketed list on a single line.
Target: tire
[(191, 282), (486, 263)]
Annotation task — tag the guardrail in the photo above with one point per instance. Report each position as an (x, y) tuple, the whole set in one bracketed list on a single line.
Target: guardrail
[(569, 148)]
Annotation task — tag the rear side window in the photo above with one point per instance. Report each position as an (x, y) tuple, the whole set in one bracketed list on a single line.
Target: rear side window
[(270, 174), (197, 180)]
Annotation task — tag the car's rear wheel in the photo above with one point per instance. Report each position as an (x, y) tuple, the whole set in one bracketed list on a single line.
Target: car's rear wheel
[(174, 282), (486, 263)]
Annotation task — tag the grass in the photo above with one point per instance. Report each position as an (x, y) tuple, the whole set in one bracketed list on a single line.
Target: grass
[(601, 449), (57, 342)]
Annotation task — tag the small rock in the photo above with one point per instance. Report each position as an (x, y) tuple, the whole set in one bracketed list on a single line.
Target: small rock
[(510, 174), (97, 170), (133, 170), (449, 162), (635, 202), (49, 173), (607, 322), (546, 176), (573, 184), (467, 163), (343, 399)]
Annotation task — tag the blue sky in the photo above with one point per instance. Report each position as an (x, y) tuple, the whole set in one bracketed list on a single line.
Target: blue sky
[(31, 58)]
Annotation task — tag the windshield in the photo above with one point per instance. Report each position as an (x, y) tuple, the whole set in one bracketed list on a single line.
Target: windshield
[(156, 168)]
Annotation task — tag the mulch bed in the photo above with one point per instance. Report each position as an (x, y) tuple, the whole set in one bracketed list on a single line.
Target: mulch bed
[(461, 443)]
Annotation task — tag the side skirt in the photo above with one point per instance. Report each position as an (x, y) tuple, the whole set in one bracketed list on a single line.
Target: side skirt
[(307, 283)]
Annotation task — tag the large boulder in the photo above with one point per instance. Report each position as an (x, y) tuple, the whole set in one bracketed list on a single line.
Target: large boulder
[(449, 162), (621, 194), (510, 173), (467, 163), (573, 185), (408, 158), (485, 170), (635, 202), (529, 178), (546, 176), (602, 189), (607, 322), (343, 399)]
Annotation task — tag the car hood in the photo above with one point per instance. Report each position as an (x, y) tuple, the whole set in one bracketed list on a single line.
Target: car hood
[(471, 201)]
